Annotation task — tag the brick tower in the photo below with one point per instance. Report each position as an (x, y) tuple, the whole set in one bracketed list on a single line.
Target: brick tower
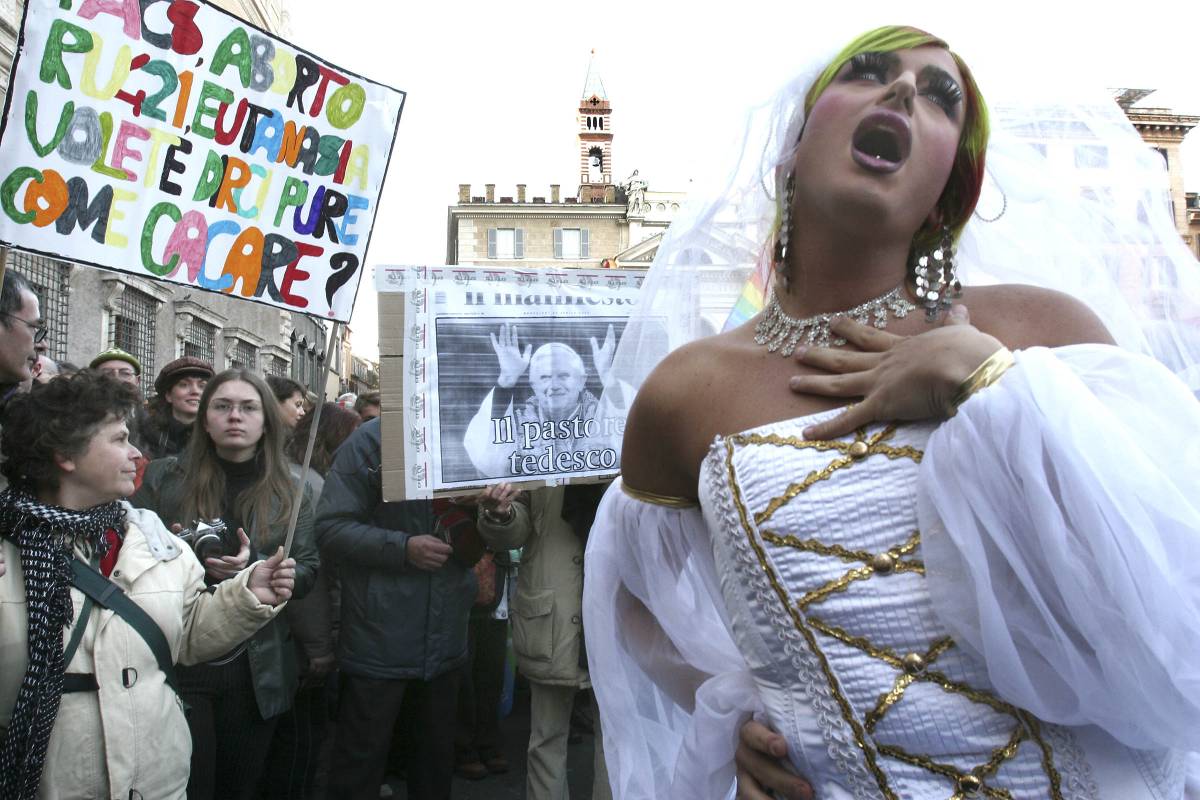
[(595, 141)]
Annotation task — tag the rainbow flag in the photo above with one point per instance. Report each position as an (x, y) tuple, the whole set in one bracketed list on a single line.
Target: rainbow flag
[(753, 296)]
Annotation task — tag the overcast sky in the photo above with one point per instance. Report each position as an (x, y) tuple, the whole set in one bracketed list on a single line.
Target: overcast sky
[(493, 87)]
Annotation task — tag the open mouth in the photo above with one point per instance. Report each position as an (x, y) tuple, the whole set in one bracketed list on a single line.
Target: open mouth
[(882, 141)]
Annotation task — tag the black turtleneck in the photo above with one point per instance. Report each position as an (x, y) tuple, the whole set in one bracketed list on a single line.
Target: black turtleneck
[(239, 476)]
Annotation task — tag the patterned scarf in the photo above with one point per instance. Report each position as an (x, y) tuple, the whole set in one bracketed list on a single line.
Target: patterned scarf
[(46, 536)]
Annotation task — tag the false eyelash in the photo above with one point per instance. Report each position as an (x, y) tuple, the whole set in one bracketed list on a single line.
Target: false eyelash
[(944, 91), (870, 64)]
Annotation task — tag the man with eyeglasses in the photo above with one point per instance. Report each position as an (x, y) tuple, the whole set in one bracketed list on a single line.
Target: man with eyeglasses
[(21, 329), (116, 363)]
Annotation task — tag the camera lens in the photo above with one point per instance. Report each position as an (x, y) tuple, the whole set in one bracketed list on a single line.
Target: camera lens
[(208, 545)]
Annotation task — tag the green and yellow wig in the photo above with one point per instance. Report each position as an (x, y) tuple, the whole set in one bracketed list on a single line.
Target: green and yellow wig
[(966, 176)]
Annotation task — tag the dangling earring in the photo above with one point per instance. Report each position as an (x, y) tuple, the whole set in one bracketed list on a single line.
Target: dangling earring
[(785, 232), (936, 276)]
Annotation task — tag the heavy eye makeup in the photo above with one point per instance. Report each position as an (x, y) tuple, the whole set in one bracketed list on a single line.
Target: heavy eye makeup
[(943, 90), (870, 66), (936, 83)]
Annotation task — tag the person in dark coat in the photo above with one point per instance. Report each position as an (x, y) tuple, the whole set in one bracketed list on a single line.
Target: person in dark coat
[(407, 588)]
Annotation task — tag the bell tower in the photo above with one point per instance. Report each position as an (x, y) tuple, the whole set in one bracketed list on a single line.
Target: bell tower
[(595, 141)]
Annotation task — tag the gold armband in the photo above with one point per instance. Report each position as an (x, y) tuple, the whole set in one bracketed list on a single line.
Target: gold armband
[(658, 499), (984, 376)]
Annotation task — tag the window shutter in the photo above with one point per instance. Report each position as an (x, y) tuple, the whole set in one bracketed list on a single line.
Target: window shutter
[(558, 243), (583, 242), (518, 243), (491, 242)]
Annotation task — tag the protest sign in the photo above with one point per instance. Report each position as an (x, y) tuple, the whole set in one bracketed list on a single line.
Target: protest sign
[(172, 140), (508, 374)]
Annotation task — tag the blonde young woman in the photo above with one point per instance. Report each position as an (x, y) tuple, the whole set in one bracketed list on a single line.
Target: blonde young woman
[(971, 581)]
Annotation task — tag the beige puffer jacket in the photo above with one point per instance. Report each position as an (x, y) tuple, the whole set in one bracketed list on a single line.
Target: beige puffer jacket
[(547, 607), (128, 742)]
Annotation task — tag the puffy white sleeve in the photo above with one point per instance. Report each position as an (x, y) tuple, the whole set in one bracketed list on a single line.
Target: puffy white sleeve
[(672, 688), (1060, 518)]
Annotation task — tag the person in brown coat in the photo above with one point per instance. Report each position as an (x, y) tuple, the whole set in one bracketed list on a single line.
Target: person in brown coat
[(547, 618)]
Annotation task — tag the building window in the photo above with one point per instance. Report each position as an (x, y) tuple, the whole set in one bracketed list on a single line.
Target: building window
[(50, 280), (304, 363), (277, 366), (571, 243), (132, 327), (244, 356), (506, 243), (1091, 156), (200, 341), (299, 366)]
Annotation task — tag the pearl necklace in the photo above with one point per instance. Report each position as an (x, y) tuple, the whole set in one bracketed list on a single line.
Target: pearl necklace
[(780, 332)]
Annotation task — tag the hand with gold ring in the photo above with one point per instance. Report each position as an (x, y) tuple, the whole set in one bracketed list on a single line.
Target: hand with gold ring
[(897, 377)]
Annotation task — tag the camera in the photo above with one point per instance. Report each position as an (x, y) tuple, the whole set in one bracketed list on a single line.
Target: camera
[(210, 539)]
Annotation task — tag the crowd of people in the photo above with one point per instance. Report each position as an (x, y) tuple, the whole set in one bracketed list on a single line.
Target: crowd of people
[(974, 581), (375, 645)]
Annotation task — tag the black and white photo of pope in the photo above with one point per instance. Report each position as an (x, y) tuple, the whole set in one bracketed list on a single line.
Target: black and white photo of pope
[(508, 375), (559, 425)]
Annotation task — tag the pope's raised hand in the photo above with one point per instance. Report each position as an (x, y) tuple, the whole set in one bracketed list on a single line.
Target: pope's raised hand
[(602, 356), (513, 360)]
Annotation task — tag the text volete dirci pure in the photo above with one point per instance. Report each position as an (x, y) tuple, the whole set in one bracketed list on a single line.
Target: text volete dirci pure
[(255, 134)]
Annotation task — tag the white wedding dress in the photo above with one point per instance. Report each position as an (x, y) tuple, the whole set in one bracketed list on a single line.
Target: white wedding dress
[(1003, 605)]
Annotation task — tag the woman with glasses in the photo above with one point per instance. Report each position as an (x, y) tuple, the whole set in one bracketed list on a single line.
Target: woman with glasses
[(234, 470)]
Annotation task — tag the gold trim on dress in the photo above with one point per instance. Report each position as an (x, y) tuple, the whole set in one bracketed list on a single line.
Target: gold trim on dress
[(659, 499), (843, 703), (913, 667)]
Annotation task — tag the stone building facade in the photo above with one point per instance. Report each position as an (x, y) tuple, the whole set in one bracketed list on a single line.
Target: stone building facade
[(1192, 206), (1164, 130), (89, 310), (603, 224)]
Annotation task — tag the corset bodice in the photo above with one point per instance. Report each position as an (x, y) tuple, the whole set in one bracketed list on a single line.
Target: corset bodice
[(819, 554)]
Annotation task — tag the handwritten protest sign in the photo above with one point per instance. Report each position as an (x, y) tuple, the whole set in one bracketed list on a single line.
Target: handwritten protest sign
[(171, 140), (508, 374)]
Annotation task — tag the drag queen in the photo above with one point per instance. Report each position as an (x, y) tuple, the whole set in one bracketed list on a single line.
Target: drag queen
[(980, 579)]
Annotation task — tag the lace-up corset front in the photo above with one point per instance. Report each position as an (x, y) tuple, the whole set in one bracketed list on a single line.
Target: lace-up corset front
[(819, 556)]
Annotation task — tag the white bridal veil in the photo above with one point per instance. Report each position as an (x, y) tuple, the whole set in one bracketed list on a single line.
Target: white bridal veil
[(1074, 200)]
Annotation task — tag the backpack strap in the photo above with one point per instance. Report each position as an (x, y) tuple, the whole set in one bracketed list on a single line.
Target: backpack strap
[(77, 632), (108, 595)]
